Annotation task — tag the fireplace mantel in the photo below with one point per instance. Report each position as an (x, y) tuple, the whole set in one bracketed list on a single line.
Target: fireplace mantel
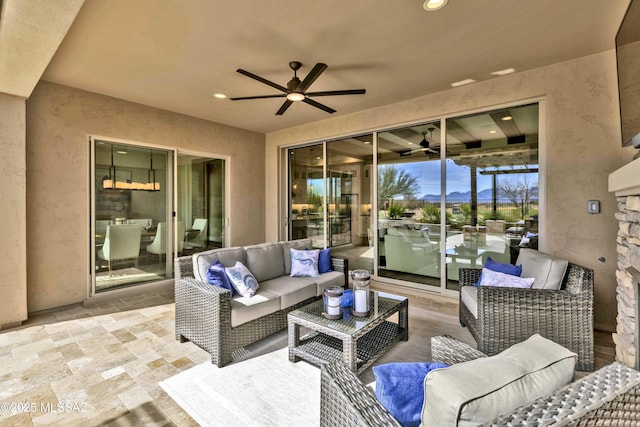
[(626, 180)]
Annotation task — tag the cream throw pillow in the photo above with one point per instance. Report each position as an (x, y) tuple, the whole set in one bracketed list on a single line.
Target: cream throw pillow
[(475, 392)]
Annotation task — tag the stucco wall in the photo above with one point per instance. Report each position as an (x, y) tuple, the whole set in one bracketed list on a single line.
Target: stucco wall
[(59, 120), (13, 246), (582, 147)]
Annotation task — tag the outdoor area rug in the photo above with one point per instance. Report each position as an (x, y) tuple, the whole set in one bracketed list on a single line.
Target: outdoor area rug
[(265, 390)]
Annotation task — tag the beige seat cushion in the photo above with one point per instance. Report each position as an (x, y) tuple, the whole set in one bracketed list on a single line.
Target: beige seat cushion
[(547, 270), (245, 309), (472, 393), (469, 297), (292, 290)]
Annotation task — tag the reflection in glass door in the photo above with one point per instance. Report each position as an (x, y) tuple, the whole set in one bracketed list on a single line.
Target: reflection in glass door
[(491, 187), (306, 186), (131, 227), (201, 202), (409, 220)]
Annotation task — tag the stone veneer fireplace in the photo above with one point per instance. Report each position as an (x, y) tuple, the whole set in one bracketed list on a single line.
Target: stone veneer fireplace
[(625, 182)]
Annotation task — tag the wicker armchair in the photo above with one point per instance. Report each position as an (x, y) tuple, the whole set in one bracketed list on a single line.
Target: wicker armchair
[(507, 316), (610, 396)]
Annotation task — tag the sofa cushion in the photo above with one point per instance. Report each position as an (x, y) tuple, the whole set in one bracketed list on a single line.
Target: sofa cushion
[(244, 309), (324, 261), (400, 388), (469, 297), (325, 280), (304, 263), (292, 290), (265, 260), (286, 254), (547, 270), (475, 392), (217, 276), (242, 280), (227, 256)]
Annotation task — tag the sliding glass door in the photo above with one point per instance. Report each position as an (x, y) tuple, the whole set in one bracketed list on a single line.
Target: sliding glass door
[(131, 211), (201, 201), (436, 196), (139, 223)]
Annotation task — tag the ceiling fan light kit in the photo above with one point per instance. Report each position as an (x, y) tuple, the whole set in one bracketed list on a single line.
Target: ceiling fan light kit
[(296, 90), (431, 5)]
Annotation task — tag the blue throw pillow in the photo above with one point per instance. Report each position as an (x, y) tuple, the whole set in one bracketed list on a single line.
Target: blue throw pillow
[(514, 270), (324, 261), (217, 276), (400, 389)]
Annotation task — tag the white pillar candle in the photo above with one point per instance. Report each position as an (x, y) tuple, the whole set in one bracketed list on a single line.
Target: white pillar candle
[(333, 306), (360, 301)]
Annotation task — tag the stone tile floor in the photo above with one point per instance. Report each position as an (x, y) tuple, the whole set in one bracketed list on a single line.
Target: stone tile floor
[(95, 365), (101, 364)]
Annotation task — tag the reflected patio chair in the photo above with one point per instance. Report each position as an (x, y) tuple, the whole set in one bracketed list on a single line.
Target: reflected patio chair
[(159, 244), (121, 242), (198, 240)]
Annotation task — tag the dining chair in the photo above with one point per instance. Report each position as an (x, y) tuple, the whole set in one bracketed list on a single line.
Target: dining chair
[(122, 241)]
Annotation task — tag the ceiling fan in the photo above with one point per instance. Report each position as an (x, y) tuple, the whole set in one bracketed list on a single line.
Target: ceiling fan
[(296, 90), (424, 145)]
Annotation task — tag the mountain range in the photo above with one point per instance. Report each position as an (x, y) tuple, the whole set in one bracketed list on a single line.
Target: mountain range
[(457, 196)]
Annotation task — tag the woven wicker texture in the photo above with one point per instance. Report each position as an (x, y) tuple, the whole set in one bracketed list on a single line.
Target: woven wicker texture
[(507, 316), (203, 314), (358, 341)]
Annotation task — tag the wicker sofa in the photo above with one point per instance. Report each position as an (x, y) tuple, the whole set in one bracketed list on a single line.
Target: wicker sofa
[(610, 396), (222, 325), (506, 316)]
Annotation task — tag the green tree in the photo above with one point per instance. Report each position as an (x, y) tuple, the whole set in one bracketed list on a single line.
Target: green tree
[(395, 182)]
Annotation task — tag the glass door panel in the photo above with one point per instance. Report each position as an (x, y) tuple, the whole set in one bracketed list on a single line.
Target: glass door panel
[(201, 202), (349, 184), (491, 187), (306, 184), (131, 229), (408, 218)]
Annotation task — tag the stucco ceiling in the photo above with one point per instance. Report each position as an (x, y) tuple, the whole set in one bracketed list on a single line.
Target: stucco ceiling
[(175, 54)]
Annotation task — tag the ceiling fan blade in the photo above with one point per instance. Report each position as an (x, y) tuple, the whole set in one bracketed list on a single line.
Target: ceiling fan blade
[(284, 107), (262, 80), (337, 92), (312, 76), (318, 105), (258, 97)]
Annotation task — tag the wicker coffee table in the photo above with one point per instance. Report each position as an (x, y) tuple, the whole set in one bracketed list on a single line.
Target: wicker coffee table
[(358, 341)]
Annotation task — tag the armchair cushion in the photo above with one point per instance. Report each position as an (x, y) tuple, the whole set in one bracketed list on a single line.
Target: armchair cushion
[(400, 389), (514, 270), (475, 392), (547, 270), (495, 278)]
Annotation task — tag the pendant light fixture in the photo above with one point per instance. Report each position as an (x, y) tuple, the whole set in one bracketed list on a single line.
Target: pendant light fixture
[(111, 183)]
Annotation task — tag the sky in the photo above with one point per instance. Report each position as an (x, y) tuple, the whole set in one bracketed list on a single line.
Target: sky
[(458, 179)]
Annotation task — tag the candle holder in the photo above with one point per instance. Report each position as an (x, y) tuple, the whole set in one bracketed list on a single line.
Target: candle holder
[(333, 302), (361, 295)]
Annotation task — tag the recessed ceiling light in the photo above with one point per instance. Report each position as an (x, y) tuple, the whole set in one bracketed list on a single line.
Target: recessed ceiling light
[(506, 118), (463, 82), (219, 95), (121, 152), (367, 142), (504, 72), (493, 131), (431, 5), (411, 143)]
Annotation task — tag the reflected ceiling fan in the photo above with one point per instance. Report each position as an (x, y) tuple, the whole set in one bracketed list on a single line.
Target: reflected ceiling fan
[(425, 146), (296, 90)]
